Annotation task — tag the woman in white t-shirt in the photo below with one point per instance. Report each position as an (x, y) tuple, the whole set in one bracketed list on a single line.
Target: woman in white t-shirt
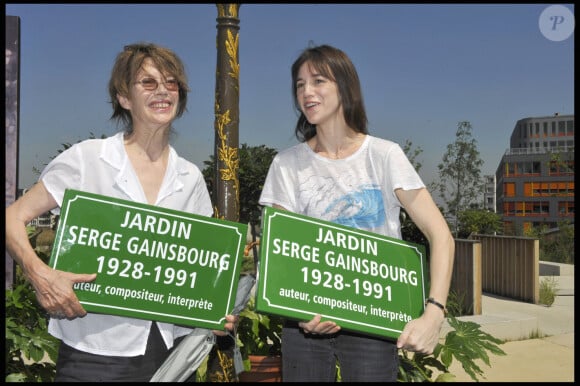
[(342, 174), (148, 91)]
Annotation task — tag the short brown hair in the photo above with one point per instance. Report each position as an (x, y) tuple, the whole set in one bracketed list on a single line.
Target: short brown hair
[(127, 65)]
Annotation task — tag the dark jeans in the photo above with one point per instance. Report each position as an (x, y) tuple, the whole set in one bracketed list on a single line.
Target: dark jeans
[(312, 358), (78, 366)]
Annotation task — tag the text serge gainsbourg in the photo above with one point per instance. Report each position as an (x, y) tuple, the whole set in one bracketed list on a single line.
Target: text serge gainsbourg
[(149, 247), (347, 262)]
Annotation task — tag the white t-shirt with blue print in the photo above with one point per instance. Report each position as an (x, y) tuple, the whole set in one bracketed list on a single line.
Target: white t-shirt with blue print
[(357, 191)]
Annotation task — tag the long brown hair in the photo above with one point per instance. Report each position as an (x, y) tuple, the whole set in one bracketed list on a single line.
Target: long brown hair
[(335, 65)]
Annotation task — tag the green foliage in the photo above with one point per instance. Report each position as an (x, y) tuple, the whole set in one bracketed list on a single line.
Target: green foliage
[(557, 246), (548, 290), (560, 248), (254, 164), (417, 367), (466, 343), (258, 334), (455, 304), (460, 184), (412, 154), (480, 221), (28, 343)]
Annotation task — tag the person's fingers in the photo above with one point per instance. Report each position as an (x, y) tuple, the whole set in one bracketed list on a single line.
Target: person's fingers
[(316, 327)]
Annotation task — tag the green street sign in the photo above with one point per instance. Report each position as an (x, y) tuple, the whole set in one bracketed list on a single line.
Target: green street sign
[(363, 281), (151, 262)]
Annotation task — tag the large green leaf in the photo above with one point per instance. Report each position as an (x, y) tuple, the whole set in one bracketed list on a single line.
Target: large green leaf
[(467, 343)]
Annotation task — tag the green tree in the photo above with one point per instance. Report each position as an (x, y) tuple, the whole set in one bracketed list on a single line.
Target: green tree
[(480, 221), (460, 184), (413, 154)]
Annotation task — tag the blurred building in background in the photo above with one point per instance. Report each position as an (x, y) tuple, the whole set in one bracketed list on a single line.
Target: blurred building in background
[(535, 177)]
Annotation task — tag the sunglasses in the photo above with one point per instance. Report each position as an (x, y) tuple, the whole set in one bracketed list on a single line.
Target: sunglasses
[(151, 84)]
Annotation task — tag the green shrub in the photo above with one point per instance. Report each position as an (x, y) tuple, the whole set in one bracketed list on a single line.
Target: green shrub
[(548, 290), (455, 301), (466, 343), (31, 351)]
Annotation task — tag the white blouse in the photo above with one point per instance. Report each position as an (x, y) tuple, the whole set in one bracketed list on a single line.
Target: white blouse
[(101, 166)]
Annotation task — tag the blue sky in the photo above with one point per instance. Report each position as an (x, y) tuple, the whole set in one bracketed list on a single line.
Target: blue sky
[(423, 69)]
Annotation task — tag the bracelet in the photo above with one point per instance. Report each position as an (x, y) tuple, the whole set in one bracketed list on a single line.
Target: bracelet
[(436, 303)]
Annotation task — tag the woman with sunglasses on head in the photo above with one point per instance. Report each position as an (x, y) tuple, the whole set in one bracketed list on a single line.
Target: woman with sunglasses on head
[(148, 91), (341, 173)]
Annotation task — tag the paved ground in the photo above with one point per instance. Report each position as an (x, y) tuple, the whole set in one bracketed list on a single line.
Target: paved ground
[(549, 358)]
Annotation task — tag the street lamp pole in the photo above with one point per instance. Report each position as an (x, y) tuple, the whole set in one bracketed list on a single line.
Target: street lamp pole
[(226, 191), (226, 109)]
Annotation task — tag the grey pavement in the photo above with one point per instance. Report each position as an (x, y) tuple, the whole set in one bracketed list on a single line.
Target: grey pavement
[(539, 340)]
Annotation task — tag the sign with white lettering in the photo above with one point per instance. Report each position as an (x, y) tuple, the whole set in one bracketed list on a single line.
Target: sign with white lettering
[(151, 262), (363, 281)]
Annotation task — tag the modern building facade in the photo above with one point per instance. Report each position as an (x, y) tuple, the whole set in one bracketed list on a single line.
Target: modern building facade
[(489, 195), (535, 178)]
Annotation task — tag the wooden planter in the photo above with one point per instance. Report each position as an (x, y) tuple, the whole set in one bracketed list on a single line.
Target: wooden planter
[(264, 369)]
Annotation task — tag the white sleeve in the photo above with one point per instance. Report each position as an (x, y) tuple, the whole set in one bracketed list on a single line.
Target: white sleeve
[(400, 171), (63, 172), (278, 188)]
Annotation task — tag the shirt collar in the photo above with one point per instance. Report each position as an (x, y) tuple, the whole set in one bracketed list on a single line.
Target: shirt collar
[(114, 154)]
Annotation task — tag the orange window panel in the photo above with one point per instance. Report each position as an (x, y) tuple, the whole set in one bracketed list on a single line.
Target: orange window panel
[(510, 189)]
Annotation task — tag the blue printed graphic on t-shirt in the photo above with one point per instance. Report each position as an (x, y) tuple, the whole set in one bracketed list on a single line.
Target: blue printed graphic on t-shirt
[(363, 209)]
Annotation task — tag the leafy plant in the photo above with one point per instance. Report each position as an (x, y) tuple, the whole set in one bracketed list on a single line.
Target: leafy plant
[(548, 290), (31, 351), (416, 367), (466, 343), (481, 221), (455, 304), (258, 334)]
